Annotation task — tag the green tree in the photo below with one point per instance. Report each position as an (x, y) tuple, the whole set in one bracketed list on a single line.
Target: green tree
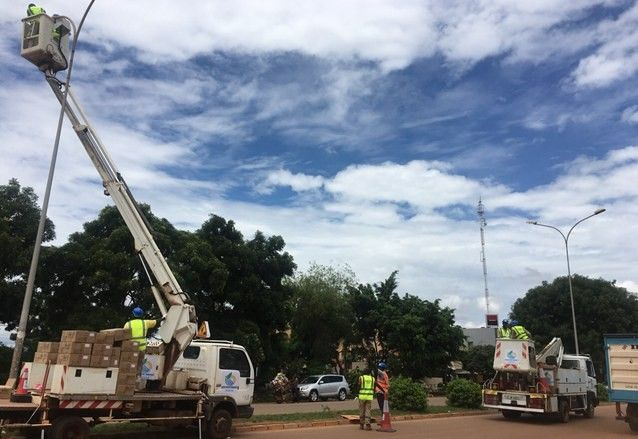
[(321, 317), (19, 218), (479, 359), (600, 306), (418, 337)]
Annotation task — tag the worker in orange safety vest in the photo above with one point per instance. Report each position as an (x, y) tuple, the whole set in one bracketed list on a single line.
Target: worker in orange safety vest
[(382, 384)]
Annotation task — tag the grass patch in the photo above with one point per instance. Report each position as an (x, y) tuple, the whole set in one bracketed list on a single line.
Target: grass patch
[(335, 414)]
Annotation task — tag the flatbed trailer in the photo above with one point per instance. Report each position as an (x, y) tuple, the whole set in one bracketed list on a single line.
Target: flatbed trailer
[(72, 416)]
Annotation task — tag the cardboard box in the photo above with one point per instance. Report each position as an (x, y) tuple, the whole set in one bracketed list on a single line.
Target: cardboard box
[(78, 336), (43, 357), (128, 367), (154, 348), (48, 346), (126, 379), (102, 349), (116, 353), (118, 334), (130, 346), (100, 361), (79, 360), (125, 390), (69, 347), (105, 337), (131, 357)]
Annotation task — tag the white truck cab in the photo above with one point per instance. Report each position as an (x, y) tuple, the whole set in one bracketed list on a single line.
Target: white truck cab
[(225, 366)]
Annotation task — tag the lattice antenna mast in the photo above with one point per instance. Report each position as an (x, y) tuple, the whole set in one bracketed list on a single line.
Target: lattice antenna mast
[(481, 213)]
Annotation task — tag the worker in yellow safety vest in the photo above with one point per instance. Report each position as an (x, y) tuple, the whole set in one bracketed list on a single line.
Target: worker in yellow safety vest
[(366, 395), (32, 9), (504, 331), (519, 332), (139, 327)]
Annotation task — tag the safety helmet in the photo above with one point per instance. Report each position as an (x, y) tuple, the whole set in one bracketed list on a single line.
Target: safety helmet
[(514, 322), (382, 365), (137, 312), (506, 323)]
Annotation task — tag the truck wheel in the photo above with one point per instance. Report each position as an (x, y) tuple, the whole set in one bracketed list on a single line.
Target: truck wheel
[(70, 427), (511, 414), (632, 416), (220, 425), (563, 411), (589, 411)]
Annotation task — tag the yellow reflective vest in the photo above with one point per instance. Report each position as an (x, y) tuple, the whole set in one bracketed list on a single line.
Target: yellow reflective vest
[(520, 333), (138, 331), (366, 387), (504, 333), (35, 10)]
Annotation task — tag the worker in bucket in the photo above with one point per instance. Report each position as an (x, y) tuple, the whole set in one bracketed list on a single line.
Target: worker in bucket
[(32, 9), (519, 332), (382, 384), (505, 331)]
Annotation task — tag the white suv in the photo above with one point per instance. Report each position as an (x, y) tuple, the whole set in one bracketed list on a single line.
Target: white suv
[(324, 386)]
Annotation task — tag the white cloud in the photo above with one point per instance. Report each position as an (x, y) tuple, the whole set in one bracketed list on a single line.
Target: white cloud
[(630, 114), (615, 57), (297, 182)]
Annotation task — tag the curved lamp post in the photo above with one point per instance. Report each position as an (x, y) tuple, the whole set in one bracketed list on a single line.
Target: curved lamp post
[(569, 273), (26, 303)]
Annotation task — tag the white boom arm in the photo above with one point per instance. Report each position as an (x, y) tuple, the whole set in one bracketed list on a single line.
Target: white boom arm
[(180, 325)]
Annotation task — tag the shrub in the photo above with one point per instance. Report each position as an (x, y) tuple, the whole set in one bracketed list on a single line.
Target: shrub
[(407, 394), (603, 394), (464, 393)]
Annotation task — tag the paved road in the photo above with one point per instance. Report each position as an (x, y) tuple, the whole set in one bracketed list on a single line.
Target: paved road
[(603, 425), (308, 407)]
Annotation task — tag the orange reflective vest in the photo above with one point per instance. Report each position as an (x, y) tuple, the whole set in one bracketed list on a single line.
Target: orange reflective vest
[(383, 383)]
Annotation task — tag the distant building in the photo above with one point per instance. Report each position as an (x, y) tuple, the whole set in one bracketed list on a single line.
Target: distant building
[(480, 336)]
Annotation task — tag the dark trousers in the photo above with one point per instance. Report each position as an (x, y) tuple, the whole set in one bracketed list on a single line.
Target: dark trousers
[(380, 399)]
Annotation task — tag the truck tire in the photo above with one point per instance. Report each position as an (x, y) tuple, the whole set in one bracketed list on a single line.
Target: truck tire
[(591, 407), (511, 414), (70, 427), (632, 416), (220, 425), (563, 411)]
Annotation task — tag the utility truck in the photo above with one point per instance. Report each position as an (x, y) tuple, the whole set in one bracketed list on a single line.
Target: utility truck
[(621, 357), (205, 383), (548, 383)]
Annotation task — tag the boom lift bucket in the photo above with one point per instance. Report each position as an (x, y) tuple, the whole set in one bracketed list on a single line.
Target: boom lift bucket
[(45, 42)]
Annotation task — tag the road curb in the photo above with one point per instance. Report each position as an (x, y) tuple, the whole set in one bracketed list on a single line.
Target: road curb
[(335, 422)]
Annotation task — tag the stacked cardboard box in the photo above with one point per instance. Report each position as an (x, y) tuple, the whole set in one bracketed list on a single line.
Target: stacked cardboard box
[(110, 348), (47, 351), (130, 356)]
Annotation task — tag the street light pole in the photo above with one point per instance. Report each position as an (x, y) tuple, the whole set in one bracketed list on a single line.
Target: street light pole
[(26, 302), (569, 271)]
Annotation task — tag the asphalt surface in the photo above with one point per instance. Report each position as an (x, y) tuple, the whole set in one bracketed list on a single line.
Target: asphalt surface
[(492, 425), (319, 406)]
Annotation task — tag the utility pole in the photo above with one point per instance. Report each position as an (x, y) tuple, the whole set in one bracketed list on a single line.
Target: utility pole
[(481, 213)]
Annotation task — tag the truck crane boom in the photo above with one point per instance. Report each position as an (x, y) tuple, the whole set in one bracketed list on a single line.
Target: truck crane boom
[(180, 324)]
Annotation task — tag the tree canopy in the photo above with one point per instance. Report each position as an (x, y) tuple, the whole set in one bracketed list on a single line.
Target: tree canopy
[(600, 307), (19, 218)]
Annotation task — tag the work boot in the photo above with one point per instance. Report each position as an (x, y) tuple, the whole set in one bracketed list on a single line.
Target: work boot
[(368, 427)]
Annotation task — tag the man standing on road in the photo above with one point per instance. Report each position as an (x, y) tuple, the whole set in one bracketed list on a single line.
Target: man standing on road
[(382, 385), (366, 392)]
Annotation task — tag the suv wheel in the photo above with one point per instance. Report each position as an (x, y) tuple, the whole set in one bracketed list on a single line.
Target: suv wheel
[(342, 395), (314, 396)]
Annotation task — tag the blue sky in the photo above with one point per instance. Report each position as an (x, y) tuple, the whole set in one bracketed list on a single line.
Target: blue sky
[(363, 132)]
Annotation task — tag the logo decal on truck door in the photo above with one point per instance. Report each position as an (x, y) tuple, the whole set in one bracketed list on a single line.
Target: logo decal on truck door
[(230, 382)]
